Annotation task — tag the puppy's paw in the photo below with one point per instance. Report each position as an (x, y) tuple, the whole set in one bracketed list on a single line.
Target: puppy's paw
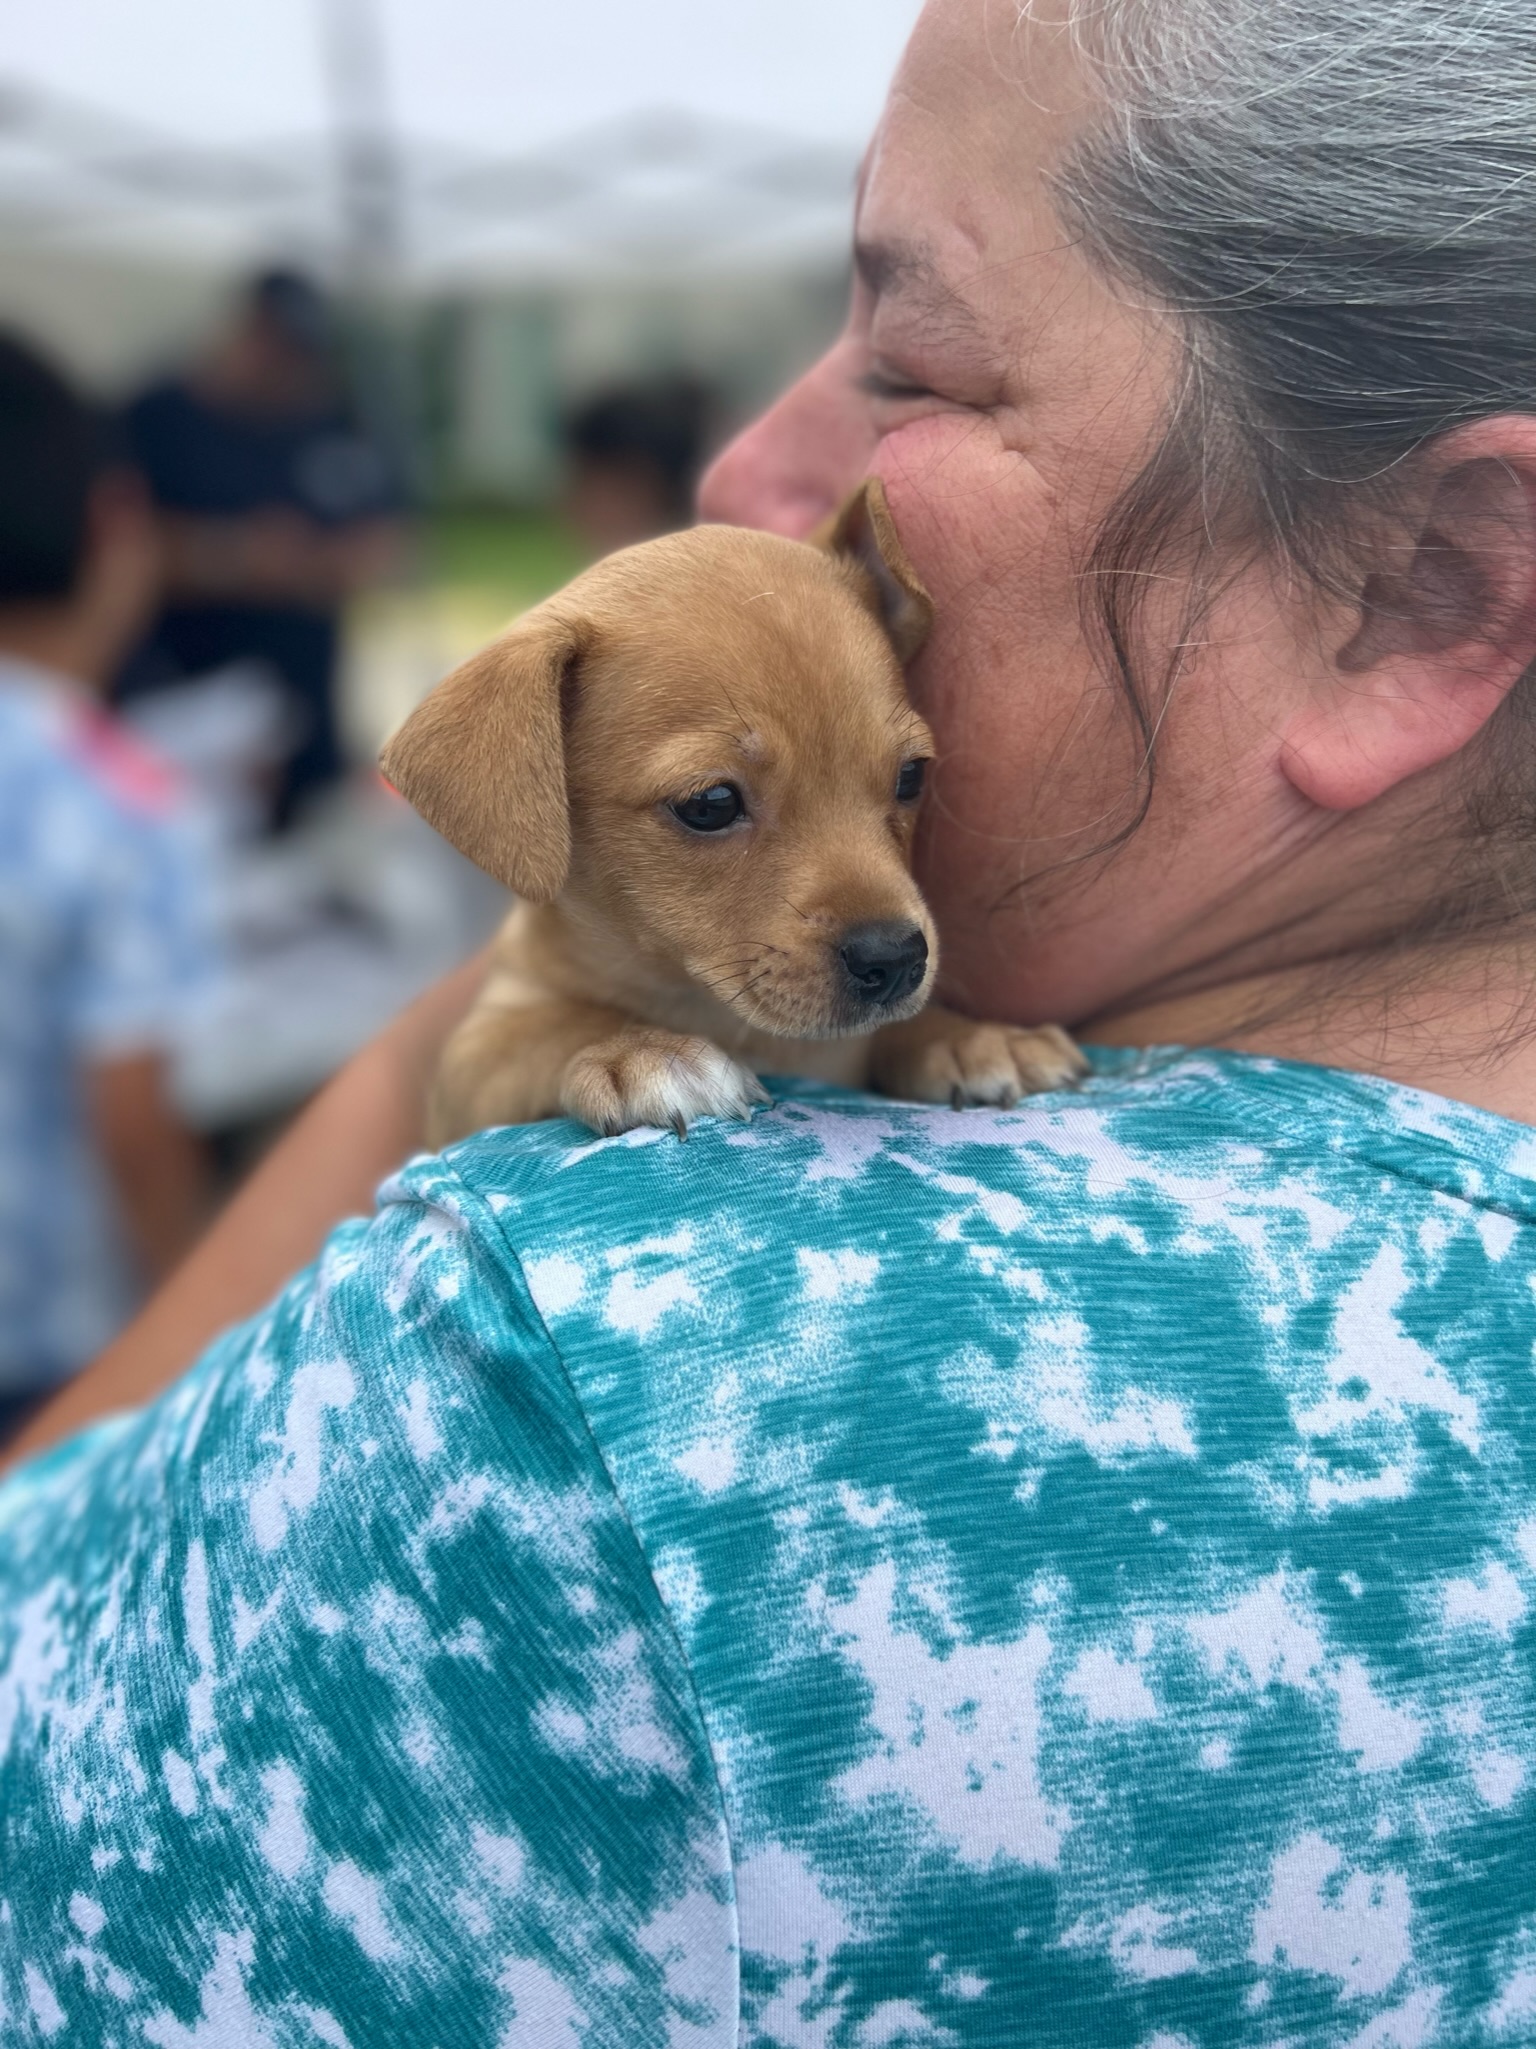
[(652, 1077), (943, 1058)]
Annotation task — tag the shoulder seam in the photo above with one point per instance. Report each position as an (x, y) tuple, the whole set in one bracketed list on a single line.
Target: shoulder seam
[(473, 1197)]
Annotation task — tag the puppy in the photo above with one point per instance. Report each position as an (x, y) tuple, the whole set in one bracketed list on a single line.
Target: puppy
[(698, 769)]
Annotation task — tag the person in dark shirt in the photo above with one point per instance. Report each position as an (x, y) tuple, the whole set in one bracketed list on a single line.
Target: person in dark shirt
[(633, 456), (275, 507)]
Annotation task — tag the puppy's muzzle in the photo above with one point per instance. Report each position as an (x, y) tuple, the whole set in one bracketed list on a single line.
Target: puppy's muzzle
[(883, 962)]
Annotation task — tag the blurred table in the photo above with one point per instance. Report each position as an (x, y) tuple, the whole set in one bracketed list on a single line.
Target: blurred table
[(328, 933)]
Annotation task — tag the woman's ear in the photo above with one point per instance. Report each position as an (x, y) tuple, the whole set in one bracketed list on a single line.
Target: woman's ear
[(483, 757), (1444, 631), (862, 532)]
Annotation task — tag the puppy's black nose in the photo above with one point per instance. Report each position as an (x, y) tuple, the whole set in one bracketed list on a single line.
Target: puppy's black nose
[(884, 961)]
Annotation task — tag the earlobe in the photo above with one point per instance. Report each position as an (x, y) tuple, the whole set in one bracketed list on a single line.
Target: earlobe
[(863, 533), (1442, 634), (1360, 737), (483, 757)]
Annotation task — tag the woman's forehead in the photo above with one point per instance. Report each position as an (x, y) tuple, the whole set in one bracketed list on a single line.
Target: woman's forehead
[(999, 75), (984, 104)]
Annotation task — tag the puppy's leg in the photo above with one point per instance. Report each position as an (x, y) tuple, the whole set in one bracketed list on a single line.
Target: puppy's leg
[(940, 1057), (505, 1063), (517, 1064)]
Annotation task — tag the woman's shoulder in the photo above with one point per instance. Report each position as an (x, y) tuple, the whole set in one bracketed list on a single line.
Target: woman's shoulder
[(1237, 1216), (1149, 1137), (1187, 1223)]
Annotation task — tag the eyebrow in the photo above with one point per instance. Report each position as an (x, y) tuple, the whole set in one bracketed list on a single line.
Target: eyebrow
[(907, 270)]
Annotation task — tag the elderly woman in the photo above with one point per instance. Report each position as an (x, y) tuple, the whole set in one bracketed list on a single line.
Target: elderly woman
[(892, 1576)]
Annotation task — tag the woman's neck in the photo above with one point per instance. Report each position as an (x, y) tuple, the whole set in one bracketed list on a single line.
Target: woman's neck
[(1460, 1024)]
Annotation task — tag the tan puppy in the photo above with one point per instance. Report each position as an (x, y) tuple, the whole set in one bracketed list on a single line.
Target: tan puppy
[(698, 769)]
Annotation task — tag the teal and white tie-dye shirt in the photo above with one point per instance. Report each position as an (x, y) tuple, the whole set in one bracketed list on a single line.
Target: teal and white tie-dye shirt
[(874, 1578)]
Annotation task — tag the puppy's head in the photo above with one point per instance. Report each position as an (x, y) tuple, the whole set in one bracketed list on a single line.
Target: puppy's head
[(704, 746)]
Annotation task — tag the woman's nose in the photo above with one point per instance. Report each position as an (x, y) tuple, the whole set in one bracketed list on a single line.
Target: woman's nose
[(796, 464)]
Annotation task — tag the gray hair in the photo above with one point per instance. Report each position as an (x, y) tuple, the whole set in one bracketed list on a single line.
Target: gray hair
[(1340, 203)]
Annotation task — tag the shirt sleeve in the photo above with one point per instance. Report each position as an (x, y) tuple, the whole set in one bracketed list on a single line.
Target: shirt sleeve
[(337, 1703), (146, 950)]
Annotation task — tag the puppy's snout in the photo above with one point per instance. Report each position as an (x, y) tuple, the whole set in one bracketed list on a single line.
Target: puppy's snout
[(885, 961)]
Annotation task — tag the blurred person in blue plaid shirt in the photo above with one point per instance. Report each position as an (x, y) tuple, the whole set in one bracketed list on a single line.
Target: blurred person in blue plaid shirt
[(103, 939)]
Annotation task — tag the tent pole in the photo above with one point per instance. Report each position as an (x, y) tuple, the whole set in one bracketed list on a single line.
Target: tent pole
[(371, 251)]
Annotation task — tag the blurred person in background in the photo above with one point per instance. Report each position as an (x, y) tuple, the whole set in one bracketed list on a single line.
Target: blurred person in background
[(101, 936), (634, 454), (275, 507)]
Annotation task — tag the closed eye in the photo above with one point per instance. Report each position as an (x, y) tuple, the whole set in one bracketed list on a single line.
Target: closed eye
[(876, 384)]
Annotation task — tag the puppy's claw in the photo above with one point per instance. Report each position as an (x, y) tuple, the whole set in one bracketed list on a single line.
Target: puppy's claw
[(753, 1097), (680, 1125), (957, 1097)]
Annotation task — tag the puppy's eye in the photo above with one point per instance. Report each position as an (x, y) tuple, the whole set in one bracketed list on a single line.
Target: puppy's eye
[(710, 810), (909, 783)]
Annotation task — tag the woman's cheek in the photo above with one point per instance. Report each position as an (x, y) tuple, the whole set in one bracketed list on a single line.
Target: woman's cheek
[(1027, 730), (973, 512), (1006, 678)]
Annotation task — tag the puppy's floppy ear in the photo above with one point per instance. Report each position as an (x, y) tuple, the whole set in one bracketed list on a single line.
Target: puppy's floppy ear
[(862, 531), (483, 757)]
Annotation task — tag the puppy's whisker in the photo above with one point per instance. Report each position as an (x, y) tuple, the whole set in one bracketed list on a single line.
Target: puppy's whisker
[(741, 963), (721, 977)]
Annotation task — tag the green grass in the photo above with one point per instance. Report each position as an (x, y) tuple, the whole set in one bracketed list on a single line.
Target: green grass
[(514, 557)]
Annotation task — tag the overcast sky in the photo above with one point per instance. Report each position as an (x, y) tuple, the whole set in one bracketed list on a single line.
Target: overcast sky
[(499, 75)]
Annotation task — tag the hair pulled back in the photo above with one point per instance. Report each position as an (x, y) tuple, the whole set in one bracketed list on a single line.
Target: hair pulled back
[(1339, 204)]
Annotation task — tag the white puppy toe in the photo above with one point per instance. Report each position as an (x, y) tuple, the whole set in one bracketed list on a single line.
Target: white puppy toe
[(943, 1058), (652, 1077)]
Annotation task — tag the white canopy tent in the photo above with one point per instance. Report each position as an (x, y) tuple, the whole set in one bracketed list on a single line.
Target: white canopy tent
[(441, 142)]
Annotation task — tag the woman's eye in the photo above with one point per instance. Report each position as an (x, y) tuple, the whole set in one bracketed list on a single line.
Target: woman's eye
[(710, 810), (881, 384), (909, 782)]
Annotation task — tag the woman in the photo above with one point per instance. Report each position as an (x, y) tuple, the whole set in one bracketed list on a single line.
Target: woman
[(893, 1577)]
